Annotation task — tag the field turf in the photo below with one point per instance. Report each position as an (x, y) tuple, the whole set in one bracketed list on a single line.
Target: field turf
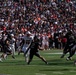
[(56, 65)]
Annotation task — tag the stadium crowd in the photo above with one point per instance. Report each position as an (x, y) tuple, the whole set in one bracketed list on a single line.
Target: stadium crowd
[(46, 18)]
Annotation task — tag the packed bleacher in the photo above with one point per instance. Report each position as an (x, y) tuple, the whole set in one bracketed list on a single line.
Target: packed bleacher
[(50, 17)]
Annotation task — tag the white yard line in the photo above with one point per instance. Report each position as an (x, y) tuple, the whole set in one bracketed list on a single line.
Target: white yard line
[(55, 53), (39, 74), (58, 73), (72, 71)]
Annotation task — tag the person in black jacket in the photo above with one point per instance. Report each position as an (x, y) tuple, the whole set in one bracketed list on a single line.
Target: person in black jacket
[(5, 48), (69, 47), (34, 50)]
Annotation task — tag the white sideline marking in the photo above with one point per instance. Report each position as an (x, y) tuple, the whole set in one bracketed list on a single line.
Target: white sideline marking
[(58, 73), (40, 74), (72, 71), (54, 53)]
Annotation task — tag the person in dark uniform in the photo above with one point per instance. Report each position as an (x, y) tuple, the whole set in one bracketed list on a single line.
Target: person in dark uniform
[(72, 47), (69, 45), (5, 44), (34, 46), (5, 48)]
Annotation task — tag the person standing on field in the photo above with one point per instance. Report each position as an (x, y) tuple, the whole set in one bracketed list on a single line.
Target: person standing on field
[(34, 50)]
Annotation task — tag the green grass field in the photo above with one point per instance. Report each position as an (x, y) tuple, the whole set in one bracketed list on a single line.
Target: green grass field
[(56, 66)]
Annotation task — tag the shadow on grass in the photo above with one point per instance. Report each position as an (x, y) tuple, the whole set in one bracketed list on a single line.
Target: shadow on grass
[(12, 63), (60, 62), (58, 69), (54, 62)]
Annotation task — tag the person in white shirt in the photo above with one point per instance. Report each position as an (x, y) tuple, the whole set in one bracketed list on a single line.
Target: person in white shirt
[(45, 42), (26, 42)]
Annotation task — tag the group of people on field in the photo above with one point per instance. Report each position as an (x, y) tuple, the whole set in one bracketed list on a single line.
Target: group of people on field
[(48, 19), (30, 44)]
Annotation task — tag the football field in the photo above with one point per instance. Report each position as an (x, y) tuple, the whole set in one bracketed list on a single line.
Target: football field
[(56, 65)]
